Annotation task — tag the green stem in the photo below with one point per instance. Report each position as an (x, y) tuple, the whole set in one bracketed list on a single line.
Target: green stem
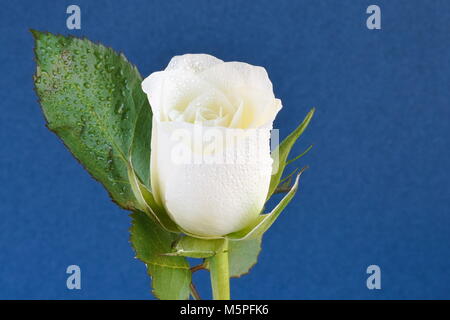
[(220, 275)]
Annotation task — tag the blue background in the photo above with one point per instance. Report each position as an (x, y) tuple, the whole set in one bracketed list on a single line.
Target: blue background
[(377, 191)]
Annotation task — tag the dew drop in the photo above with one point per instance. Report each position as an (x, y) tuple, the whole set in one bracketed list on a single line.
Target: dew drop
[(120, 108)]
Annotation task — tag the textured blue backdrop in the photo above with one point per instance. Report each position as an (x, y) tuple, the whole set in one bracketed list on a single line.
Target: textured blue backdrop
[(377, 191)]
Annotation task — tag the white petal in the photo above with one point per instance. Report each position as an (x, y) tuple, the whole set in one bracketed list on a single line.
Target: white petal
[(193, 62), (244, 84), (173, 90), (153, 87), (210, 199), (214, 102), (269, 113)]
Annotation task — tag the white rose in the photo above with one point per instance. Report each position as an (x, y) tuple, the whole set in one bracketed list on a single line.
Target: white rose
[(200, 92)]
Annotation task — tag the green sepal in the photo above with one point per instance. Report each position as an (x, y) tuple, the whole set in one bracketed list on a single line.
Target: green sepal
[(147, 203), (187, 246), (264, 221), (282, 152)]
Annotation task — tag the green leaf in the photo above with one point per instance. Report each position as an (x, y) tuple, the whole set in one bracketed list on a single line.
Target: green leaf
[(264, 221), (283, 152), (171, 276), (92, 99), (196, 248), (140, 148), (243, 255)]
